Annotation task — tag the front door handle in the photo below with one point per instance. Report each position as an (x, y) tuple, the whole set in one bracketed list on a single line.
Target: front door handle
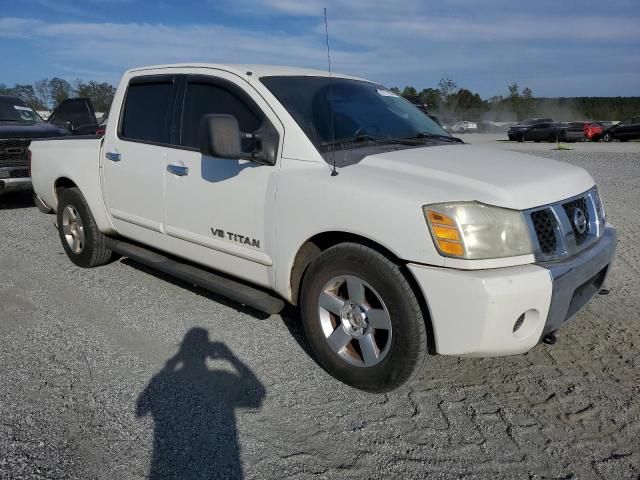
[(179, 170), (113, 156)]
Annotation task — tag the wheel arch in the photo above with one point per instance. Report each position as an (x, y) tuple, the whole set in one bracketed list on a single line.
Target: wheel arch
[(61, 184), (93, 198), (313, 247)]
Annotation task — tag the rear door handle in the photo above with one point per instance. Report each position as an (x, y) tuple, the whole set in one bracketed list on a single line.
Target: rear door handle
[(179, 170), (113, 156)]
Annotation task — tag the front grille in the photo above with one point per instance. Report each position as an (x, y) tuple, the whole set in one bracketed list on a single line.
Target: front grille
[(14, 153), (544, 224), (566, 227), (571, 208), (19, 173)]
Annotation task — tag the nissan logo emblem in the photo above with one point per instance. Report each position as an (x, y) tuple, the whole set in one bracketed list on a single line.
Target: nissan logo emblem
[(579, 221)]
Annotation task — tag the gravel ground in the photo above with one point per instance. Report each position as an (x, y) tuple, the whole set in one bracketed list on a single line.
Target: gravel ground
[(89, 389)]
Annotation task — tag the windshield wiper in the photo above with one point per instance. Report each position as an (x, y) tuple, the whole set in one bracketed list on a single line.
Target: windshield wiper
[(370, 138), (448, 138)]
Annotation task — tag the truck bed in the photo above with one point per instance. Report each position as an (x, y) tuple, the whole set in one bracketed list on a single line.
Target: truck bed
[(68, 159)]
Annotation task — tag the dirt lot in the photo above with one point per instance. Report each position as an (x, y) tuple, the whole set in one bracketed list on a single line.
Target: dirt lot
[(88, 388)]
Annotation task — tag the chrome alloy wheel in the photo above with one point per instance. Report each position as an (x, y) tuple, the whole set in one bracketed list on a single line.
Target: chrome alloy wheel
[(355, 321), (73, 229)]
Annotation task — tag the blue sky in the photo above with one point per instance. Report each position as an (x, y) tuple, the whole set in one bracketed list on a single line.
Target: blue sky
[(556, 47)]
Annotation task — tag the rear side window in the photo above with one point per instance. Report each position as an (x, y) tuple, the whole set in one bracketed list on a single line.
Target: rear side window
[(77, 111), (206, 98), (147, 111)]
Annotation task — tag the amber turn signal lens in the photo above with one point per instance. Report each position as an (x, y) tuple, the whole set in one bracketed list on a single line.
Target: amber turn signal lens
[(451, 248), (446, 233), (437, 217)]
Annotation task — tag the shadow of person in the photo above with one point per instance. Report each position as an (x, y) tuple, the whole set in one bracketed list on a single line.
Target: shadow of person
[(193, 408)]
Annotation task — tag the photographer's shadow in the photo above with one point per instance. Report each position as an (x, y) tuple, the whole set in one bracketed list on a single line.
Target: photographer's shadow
[(194, 411)]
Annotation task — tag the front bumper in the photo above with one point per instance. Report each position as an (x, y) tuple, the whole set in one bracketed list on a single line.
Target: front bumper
[(577, 279), (476, 312), (14, 184)]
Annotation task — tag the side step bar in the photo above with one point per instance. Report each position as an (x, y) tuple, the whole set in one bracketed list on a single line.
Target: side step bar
[(239, 292)]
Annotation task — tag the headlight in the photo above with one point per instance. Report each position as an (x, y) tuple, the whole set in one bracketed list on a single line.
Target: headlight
[(473, 230)]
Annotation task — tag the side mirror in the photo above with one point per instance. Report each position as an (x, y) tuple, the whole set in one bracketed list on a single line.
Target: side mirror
[(220, 137)]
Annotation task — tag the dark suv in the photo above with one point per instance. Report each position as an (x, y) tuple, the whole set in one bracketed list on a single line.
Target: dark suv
[(538, 130), (19, 123), (628, 129), (516, 132)]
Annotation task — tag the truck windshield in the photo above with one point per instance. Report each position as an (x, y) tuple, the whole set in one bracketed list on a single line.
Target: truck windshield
[(14, 110), (361, 110)]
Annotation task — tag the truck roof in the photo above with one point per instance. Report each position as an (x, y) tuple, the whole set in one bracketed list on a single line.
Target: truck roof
[(258, 70)]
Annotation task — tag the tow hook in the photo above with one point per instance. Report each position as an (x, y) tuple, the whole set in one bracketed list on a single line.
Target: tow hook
[(550, 338)]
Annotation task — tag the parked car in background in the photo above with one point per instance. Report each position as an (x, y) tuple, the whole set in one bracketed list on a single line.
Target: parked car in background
[(102, 125), (593, 131), (19, 124), (516, 131), (628, 129), (465, 127), (574, 132), (539, 132), (76, 115)]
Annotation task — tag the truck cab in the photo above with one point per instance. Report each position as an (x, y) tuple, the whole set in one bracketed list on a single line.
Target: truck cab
[(276, 185)]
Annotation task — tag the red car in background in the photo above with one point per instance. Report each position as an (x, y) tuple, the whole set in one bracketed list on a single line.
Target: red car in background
[(593, 131)]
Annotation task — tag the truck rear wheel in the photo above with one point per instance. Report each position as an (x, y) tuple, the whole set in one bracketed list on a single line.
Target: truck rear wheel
[(362, 318), (84, 244)]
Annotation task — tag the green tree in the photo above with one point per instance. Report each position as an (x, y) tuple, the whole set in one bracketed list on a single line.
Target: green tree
[(43, 92), (447, 88), (430, 97), (409, 92), (27, 94), (100, 94), (60, 90)]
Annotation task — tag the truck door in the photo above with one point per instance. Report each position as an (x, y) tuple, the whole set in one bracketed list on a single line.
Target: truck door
[(220, 212), (134, 157)]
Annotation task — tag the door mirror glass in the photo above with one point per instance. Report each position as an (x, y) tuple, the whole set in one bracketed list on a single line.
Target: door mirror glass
[(220, 136)]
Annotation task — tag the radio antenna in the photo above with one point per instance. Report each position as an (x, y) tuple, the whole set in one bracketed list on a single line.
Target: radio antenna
[(334, 172)]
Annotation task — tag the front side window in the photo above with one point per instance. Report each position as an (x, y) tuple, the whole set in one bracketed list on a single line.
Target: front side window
[(147, 111), (359, 108), (203, 98)]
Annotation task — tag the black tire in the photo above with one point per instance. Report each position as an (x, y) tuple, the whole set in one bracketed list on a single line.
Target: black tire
[(520, 138), (607, 137), (552, 138), (407, 341), (93, 251)]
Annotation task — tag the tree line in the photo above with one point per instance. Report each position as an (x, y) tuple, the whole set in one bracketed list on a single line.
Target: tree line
[(47, 93), (448, 101), (452, 103)]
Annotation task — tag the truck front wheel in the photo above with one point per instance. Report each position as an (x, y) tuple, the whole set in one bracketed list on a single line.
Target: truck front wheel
[(84, 244), (362, 318)]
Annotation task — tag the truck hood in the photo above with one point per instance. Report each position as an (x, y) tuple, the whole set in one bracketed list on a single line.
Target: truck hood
[(30, 130), (484, 174)]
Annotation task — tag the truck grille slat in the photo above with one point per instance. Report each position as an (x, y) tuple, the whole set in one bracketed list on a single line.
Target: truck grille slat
[(545, 226), (14, 153), (566, 227)]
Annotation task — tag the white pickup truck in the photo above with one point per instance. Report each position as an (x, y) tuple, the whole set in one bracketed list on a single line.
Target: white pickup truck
[(275, 185)]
